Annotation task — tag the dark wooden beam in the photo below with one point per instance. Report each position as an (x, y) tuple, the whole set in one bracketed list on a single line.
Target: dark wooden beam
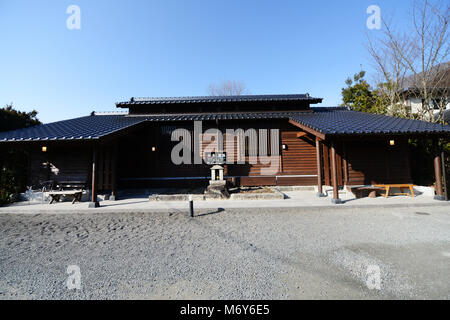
[(326, 164), (444, 175), (113, 196), (345, 163), (307, 129), (438, 172), (100, 172), (319, 169), (334, 178), (123, 132), (339, 165)]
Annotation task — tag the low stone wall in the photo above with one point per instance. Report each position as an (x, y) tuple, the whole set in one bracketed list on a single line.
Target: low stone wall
[(296, 188), (176, 197), (275, 195)]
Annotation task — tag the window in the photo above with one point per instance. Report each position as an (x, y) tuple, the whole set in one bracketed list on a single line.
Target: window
[(436, 103)]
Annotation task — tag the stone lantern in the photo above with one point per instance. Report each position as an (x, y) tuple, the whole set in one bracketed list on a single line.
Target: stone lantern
[(217, 184), (217, 173)]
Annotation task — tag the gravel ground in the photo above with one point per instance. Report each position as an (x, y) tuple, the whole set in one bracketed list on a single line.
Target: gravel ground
[(228, 254)]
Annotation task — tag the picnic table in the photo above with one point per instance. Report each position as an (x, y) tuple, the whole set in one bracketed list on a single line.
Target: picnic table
[(402, 186), (56, 195)]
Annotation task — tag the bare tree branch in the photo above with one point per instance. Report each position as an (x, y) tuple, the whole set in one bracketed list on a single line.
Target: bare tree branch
[(228, 88), (413, 63)]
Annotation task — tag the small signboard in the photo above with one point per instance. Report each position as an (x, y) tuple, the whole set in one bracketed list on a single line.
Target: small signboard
[(213, 158)]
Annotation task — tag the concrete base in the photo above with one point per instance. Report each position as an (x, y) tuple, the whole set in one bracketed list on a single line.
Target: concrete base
[(439, 198), (336, 201), (93, 204), (217, 183), (321, 195), (217, 189), (276, 195), (176, 197)]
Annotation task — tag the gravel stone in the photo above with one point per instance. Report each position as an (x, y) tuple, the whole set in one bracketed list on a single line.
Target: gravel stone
[(259, 253)]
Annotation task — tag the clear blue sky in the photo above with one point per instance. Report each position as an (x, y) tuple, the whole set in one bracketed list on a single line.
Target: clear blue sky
[(176, 48)]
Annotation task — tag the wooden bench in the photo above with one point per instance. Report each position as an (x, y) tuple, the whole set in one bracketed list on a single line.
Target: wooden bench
[(71, 185), (387, 188), (56, 195), (72, 189)]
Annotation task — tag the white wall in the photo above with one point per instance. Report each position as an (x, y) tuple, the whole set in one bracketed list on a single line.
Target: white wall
[(416, 104)]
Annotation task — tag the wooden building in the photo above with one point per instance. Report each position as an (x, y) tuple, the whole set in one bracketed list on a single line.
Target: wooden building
[(312, 146)]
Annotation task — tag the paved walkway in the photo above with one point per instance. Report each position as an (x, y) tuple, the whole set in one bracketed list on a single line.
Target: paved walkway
[(294, 199)]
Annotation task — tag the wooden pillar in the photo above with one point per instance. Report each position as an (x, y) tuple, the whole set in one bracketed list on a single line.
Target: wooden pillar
[(319, 169), (444, 175), (339, 166), (2, 155), (345, 163), (94, 203), (334, 179), (326, 164), (48, 169), (438, 172), (113, 196)]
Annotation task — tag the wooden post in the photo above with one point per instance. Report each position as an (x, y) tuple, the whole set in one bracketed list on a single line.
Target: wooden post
[(438, 172), (345, 163), (113, 196), (48, 169), (444, 175), (2, 155), (339, 166), (94, 203), (319, 169), (326, 164), (334, 179)]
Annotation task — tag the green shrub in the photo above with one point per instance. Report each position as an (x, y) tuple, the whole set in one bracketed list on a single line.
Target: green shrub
[(13, 163), (422, 162)]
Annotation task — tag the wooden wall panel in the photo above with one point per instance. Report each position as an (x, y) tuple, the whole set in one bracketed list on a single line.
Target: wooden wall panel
[(300, 156), (60, 163), (38, 170), (296, 181), (105, 165), (376, 162), (258, 181), (136, 160)]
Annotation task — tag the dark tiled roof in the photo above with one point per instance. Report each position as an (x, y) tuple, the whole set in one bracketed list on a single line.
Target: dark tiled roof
[(438, 77), (341, 121), (84, 128), (220, 99), (222, 116), (328, 121)]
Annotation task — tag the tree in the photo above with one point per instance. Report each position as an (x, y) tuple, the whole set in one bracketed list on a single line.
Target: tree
[(13, 162), (413, 62), (228, 88), (11, 119), (359, 96)]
